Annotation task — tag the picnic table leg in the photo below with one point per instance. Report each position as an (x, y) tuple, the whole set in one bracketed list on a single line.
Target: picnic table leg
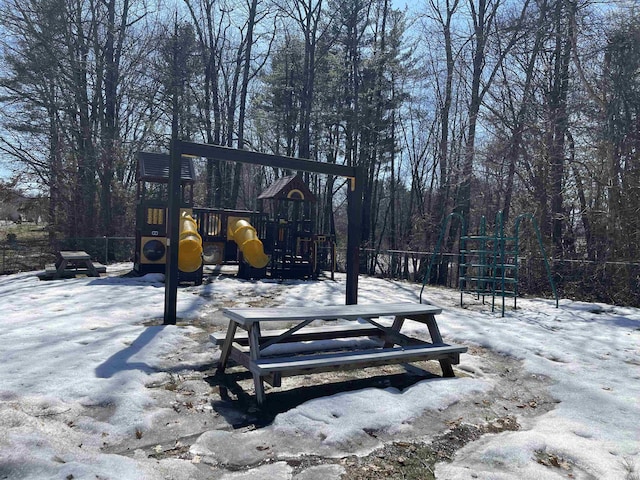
[(226, 346), (436, 338), (91, 269), (398, 321), (254, 350), (60, 268)]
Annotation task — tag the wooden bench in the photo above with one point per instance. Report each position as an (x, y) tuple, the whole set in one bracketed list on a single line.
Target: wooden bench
[(302, 349), (70, 264)]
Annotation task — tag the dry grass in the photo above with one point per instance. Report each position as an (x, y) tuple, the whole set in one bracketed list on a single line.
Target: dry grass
[(23, 247), (22, 231)]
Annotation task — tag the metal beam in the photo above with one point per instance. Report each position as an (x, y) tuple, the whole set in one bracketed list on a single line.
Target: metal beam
[(256, 158)]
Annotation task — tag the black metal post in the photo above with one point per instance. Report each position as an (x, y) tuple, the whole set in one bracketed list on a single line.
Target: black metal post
[(173, 236), (354, 232), (174, 200)]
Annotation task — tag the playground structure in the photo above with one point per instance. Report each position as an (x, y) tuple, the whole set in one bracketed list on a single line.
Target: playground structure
[(179, 149), (488, 264), (289, 234), (151, 220), (280, 245)]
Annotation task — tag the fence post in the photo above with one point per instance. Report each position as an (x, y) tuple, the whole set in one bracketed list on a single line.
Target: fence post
[(406, 266)]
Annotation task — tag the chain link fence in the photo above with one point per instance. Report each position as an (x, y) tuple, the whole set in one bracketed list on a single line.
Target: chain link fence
[(103, 249), (27, 255), (615, 283), (609, 282), (24, 255)]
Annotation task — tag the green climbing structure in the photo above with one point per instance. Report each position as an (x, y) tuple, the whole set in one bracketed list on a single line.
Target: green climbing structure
[(488, 263)]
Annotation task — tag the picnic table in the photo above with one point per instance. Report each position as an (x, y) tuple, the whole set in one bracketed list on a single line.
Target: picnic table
[(70, 264), (271, 354)]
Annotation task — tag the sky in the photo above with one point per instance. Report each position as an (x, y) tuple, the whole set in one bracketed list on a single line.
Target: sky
[(81, 358)]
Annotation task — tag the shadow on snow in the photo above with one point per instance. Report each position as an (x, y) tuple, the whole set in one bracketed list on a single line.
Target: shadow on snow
[(119, 361)]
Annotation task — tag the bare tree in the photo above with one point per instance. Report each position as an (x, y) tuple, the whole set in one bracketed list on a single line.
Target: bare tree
[(484, 15)]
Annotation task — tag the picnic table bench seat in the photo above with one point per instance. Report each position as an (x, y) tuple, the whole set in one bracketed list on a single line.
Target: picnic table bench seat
[(326, 362), (271, 354)]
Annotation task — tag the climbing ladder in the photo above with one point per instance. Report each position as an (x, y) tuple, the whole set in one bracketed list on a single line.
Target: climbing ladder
[(488, 264)]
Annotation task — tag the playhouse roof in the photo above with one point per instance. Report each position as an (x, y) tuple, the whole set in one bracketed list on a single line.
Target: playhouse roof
[(291, 187), (154, 167)]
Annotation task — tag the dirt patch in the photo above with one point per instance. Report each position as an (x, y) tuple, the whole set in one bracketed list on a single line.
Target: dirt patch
[(416, 461), (517, 396)]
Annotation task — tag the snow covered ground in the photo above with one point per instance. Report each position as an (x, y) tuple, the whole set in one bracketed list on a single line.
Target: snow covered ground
[(80, 358)]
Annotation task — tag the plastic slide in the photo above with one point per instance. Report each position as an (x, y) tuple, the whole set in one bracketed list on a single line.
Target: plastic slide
[(249, 244), (189, 245)]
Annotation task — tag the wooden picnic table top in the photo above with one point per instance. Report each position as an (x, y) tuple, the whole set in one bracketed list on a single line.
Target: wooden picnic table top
[(248, 316), (74, 255)]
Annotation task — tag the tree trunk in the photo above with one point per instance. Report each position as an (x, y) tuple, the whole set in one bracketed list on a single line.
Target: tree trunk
[(442, 196), (309, 23), (558, 116), (243, 100), (515, 142), (110, 136), (83, 215)]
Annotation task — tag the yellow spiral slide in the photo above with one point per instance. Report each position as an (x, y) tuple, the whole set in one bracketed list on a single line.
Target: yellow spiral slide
[(189, 244), (243, 233)]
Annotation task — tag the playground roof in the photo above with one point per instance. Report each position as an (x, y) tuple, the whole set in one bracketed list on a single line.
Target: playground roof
[(154, 167), (291, 187)]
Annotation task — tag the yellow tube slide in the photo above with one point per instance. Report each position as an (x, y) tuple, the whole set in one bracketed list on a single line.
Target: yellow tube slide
[(189, 244), (249, 244)]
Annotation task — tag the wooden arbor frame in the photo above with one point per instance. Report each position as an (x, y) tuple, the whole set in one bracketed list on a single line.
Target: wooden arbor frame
[(354, 208)]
